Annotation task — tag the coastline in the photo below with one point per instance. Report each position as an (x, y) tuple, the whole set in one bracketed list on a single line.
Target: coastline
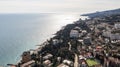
[(40, 46), (26, 36), (78, 39)]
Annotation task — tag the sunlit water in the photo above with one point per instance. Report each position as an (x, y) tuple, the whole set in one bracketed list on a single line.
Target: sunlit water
[(21, 32)]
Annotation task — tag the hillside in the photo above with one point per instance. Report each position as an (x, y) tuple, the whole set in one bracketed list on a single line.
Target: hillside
[(103, 13)]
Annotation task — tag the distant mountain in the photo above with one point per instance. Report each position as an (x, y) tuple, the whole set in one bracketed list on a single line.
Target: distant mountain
[(103, 13)]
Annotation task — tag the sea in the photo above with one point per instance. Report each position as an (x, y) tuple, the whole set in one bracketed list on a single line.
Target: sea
[(22, 32)]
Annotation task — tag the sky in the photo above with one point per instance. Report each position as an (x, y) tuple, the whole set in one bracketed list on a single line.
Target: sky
[(57, 6)]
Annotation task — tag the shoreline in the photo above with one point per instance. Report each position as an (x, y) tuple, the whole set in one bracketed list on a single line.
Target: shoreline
[(79, 39), (41, 43), (31, 41), (53, 36)]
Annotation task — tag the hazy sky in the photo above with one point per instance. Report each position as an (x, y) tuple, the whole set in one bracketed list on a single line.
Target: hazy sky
[(57, 6)]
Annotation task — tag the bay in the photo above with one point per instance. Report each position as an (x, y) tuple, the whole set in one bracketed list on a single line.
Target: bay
[(22, 32)]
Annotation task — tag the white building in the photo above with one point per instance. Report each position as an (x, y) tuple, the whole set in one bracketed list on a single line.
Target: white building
[(112, 36), (117, 25), (74, 34), (84, 31), (48, 56), (62, 65), (115, 36), (80, 40), (28, 64), (77, 28), (55, 41), (47, 63), (68, 62)]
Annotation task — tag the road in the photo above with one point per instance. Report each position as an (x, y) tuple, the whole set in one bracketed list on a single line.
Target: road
[(76, 60), (69, 46), (76, 56)]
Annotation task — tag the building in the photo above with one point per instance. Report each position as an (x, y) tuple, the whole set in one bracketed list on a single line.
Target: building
[(68, 62), (59, 59), (62, 65), (74, 34), (112, 36), (106, 33), (77, 28), (87, 40), (80, 40), (84, 31), (47, 56), (26, 57), (117, 26), (115, 36), (28, 64), (55, 41), (81, 57), (98, 48), (47, 63)]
